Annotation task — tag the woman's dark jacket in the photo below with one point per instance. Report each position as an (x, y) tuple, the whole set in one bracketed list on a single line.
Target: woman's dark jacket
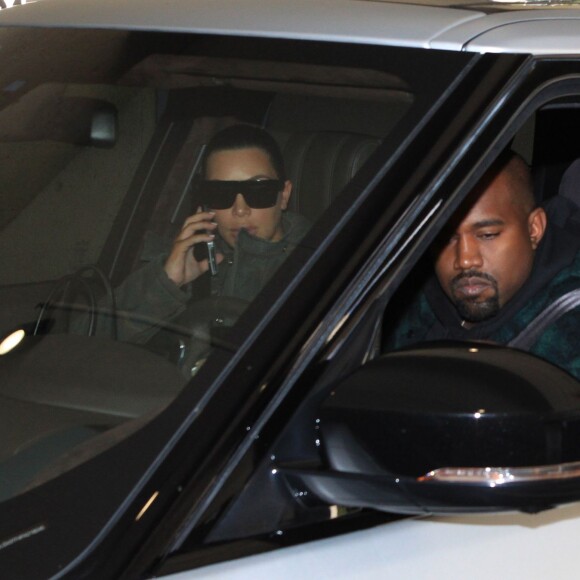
[(148, 298)]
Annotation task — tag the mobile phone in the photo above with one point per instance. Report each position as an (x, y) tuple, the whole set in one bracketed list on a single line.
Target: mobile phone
[(206, 251), (211, 259)]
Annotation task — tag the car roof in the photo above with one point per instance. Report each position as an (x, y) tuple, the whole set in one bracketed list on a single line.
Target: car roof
[(471, 25)]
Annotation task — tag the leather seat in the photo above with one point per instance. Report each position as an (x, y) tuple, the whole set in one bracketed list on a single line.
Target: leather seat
[(320, 164), (570, 184)]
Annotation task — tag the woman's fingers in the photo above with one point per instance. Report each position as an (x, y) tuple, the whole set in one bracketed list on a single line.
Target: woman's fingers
[(181, 265)]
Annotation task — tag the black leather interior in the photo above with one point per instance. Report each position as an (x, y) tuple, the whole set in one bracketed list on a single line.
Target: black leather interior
[(320, 164)]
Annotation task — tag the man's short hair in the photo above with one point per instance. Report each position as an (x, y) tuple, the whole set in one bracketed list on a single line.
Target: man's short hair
[(519, 174), (243, 137)]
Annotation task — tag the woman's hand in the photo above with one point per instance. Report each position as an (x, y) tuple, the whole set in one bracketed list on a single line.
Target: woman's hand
[(181, 265)]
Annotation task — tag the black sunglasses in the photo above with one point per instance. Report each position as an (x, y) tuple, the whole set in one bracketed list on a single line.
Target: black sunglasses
[(257, 194)]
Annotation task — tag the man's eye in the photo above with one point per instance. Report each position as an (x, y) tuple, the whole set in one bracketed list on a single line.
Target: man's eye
[(489, 235)]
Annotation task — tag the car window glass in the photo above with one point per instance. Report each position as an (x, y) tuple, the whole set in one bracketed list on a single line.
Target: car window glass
[(102, 157)]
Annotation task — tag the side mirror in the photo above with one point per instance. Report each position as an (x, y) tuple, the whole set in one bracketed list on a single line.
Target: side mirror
[(447, 428)]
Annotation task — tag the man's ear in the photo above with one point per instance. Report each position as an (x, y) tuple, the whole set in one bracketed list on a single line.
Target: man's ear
[(286, 192), (537, 221)]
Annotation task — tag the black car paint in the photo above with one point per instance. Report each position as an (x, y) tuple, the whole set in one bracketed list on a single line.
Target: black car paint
[(496, 408)]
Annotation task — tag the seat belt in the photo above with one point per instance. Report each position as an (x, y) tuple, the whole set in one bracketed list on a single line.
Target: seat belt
[(528, 337)]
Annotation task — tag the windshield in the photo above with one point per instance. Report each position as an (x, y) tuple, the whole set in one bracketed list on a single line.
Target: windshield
[(153, 187)]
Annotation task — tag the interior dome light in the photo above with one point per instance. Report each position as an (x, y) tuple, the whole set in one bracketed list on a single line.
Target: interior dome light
[(11, 341)]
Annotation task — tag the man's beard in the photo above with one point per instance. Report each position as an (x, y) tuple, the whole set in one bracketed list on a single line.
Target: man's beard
[(467, 307)]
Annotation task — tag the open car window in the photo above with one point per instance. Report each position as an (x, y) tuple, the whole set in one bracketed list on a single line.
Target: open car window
[(540, 159)]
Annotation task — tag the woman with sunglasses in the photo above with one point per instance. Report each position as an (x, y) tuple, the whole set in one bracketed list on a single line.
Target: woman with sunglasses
[(245, 193), (243, 198)]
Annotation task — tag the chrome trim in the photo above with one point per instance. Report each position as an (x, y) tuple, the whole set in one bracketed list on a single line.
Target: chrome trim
[(492, 476)]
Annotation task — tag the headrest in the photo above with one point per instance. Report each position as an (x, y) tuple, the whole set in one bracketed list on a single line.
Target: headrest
[(570, 183), (320, 164)]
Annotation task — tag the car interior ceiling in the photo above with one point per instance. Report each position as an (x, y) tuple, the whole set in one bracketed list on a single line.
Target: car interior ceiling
[(555, 145)]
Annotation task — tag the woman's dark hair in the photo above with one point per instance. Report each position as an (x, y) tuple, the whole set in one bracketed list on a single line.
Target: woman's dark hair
[(244, 137)]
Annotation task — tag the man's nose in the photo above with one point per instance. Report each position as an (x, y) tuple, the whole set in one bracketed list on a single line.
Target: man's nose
[(467, 254), (240, 207)]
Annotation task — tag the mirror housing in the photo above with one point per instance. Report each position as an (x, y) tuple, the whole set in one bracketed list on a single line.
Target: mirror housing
[(450, 428), (48, 113)]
